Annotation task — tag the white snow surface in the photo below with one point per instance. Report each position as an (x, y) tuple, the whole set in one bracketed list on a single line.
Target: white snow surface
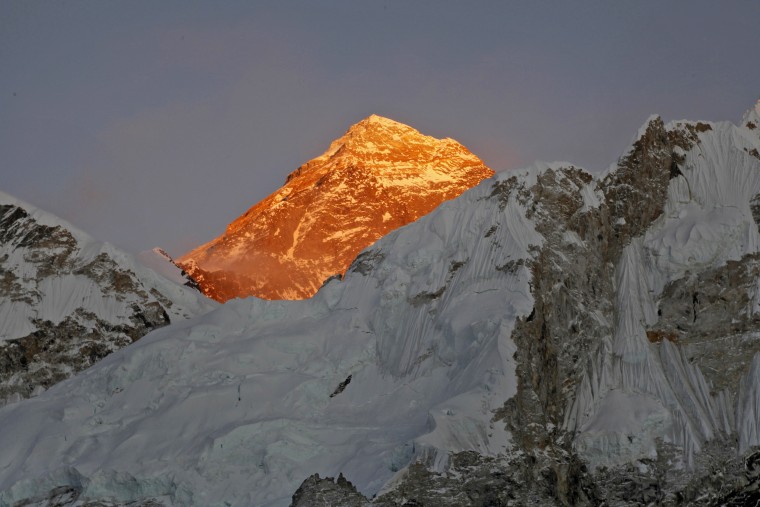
[(57, 296), (706, 222), (234, 407), (748, 407), (753, 115), (160, 262)]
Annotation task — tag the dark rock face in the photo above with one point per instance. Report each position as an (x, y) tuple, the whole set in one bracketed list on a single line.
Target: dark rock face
[(720, 478), (755, 207), (636, 192), (481, 481), (573, 287), (341, 387), (19, 229), (54, 352), (317, 492), (715, 316)]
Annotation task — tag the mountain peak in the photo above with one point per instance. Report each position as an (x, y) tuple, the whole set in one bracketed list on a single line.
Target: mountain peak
[(378, 176), (368, 133), (376, 119), (386, 144), (377, 127)]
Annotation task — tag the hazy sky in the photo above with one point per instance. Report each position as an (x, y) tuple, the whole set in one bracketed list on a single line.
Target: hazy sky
[(156, 123)]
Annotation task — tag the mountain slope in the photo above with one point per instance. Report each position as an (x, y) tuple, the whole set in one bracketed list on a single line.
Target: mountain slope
[(379, 176), (536, 341), (67, 300), (202, 410)]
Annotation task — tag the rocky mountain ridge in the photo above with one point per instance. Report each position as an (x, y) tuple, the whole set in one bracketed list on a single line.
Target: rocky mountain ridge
[(377, 177), (67, 301)]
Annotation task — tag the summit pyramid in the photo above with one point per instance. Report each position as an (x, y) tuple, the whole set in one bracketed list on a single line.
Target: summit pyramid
[(377, 177)]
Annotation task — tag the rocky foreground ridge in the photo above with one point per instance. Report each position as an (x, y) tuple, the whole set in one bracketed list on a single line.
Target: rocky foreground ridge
[(67, 301), (379, 176), (547, 338)]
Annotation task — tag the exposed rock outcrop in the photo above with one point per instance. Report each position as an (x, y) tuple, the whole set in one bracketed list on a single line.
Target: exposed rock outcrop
[(318, 492)]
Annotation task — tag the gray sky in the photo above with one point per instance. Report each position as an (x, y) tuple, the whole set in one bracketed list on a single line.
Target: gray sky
[(153, 123)]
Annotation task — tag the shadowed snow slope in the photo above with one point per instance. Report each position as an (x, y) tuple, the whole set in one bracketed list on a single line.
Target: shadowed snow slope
[(235, 405)]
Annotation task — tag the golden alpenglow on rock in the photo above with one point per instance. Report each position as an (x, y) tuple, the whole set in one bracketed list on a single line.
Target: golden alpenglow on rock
[(379, 176)]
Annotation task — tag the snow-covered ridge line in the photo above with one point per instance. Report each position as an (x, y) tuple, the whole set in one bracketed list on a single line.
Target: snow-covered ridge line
[(45, 218)]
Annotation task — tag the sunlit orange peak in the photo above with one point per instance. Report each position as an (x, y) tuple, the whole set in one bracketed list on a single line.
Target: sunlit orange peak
[(378, 176)]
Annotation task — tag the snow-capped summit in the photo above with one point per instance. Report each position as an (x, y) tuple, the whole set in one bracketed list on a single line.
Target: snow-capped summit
[(379, 176)]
